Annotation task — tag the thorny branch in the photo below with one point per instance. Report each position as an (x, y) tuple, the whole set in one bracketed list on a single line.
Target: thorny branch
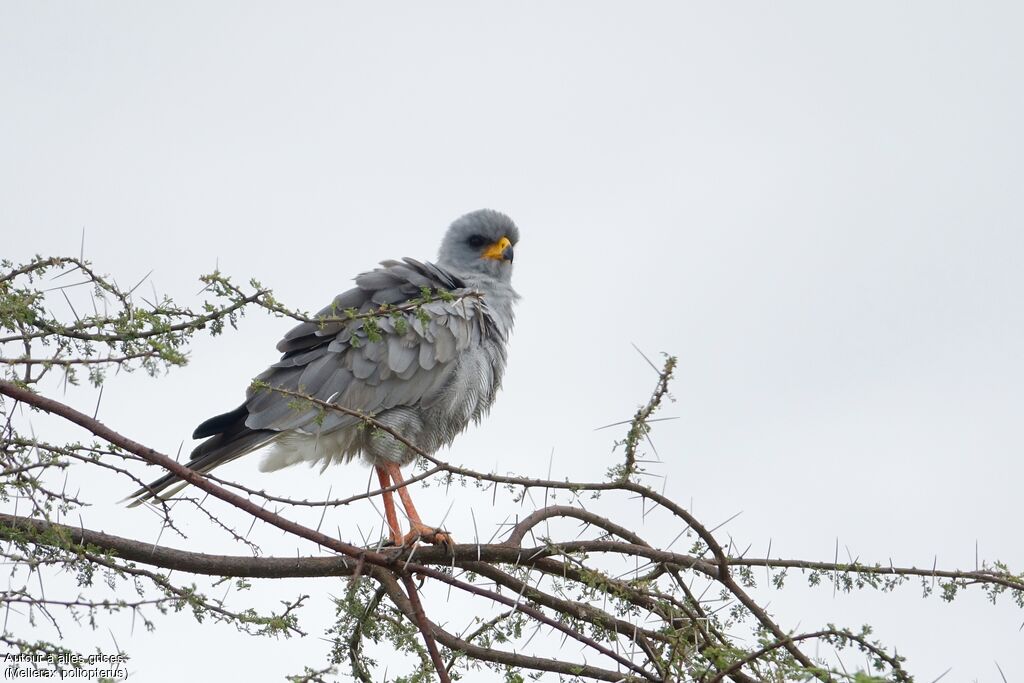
[(652, 622)]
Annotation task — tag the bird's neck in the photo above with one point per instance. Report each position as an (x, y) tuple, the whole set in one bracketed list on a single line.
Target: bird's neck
[(499, 297)]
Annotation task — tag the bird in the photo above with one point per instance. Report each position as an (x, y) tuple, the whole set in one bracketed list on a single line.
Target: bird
[(418, 347)]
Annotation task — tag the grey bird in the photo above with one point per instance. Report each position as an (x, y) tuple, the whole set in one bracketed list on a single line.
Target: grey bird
[(425, 365)]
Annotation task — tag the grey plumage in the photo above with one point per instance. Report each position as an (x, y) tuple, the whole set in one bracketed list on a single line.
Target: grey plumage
[(426, 374)]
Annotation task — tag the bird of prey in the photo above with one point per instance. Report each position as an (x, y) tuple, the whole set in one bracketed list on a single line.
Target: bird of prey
[(419, 347)]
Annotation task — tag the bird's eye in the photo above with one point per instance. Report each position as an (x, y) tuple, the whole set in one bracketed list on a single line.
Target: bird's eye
[(477, 241)]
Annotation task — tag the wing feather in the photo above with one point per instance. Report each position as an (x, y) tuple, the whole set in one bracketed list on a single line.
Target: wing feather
[(402, 358)]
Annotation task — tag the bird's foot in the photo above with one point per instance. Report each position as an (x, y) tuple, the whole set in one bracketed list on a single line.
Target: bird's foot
[(422, 532)]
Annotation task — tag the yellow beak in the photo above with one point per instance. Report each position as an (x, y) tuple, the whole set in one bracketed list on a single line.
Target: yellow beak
[(500, 250)]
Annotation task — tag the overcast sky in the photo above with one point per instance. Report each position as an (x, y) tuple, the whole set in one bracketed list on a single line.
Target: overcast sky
[(816, 206)]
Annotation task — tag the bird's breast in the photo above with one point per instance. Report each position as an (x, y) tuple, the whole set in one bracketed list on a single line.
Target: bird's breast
[(470, 392)]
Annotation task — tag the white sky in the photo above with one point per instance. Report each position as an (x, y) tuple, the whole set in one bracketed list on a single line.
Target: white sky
[(817, 207)]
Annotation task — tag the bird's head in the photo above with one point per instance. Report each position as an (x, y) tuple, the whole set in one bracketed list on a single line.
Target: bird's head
[(480, 242)]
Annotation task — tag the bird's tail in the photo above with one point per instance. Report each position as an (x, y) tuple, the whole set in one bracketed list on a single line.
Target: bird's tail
[(229, 438)]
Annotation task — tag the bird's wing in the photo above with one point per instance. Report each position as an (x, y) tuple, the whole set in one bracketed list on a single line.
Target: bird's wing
[(401, 356)]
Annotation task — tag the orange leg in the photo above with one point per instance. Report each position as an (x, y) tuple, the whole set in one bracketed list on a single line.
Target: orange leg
[(418, 530), (389, 506)]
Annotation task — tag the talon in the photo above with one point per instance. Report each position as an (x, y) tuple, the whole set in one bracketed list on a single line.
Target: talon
[(429, 535)]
